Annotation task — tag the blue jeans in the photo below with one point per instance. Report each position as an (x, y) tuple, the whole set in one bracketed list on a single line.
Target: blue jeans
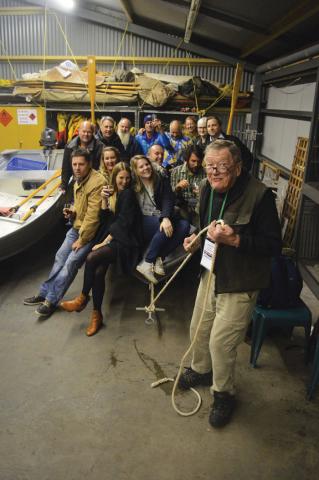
[(66, 265), (159, 244)]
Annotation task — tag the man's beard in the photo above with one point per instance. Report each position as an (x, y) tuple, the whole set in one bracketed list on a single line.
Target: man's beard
[(125, 138), (77, 178), (194, 170)]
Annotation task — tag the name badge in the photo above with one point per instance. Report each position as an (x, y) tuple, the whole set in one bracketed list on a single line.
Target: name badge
[(208, 251)]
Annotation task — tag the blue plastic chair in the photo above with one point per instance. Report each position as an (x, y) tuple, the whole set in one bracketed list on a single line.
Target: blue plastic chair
[(265, 318), (314, 380)]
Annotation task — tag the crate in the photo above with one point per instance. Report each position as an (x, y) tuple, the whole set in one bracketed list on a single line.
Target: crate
[(17, 163)]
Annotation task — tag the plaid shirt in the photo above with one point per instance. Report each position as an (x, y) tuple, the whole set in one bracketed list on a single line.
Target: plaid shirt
[(183, 173)]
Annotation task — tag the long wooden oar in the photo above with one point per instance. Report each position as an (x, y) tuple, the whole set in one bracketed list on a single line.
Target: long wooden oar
[(25, 200), (35, 206)]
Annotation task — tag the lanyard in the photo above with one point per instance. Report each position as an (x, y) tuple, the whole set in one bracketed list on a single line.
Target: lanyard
[(211, 198)]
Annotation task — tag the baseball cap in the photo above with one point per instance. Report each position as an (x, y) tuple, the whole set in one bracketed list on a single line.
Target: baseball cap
[(147, 118)]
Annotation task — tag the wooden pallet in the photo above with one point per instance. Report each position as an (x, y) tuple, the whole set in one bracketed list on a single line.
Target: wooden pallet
[(295, 182)]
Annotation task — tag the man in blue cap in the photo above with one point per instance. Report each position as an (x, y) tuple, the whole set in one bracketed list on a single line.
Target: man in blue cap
[(151, 135)]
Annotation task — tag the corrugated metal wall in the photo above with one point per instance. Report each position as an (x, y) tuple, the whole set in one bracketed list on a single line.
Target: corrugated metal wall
[(24, 35)]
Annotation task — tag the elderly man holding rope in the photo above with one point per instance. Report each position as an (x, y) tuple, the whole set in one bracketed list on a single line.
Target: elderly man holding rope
[(247, 238)]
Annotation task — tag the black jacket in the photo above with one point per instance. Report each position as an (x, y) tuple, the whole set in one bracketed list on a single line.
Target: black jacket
[(124, 226), (133, 148), (164, 197), (95, 149), (113, 141), (200, 144)]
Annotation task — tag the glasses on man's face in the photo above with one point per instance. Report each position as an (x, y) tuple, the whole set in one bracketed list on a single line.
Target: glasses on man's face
[(220, 168)]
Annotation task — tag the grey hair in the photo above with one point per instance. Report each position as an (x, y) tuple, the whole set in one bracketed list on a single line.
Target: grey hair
[(220, 145), (125, 118), (110, 119)]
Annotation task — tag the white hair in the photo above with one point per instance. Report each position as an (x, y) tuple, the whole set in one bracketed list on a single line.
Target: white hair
[(202, 122)]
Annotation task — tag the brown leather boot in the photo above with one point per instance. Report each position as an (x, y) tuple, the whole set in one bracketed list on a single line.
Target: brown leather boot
[(75, 305), (95, 323)]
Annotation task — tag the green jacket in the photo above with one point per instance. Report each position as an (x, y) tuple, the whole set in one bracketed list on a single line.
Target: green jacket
[(251, 211)]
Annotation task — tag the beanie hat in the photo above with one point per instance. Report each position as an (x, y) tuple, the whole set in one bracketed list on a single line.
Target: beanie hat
[(147, 118)]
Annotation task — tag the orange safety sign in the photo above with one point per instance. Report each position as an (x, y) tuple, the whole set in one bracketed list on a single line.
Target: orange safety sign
[(5, 117)]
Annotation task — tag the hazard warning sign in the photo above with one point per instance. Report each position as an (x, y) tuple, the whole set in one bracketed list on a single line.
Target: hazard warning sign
[(27, 116), (5, 117)]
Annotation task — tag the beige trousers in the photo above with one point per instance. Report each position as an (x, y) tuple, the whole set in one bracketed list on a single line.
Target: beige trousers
[(223, 328)]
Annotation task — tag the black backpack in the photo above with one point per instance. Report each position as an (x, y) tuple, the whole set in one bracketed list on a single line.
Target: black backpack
[(285, 285)]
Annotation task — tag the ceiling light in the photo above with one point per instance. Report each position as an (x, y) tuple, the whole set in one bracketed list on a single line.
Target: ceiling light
[(66, 4)]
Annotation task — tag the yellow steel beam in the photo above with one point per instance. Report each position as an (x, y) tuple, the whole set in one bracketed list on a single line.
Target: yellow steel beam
[(301, 12), (5, 11), (111, 59), (237, 79), (92, 84)]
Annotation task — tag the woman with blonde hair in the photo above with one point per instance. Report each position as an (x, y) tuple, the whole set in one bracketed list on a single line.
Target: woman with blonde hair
[(119, 244), (109, 158), (162, 230)]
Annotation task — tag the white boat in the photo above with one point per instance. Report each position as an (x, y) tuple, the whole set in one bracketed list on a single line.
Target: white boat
[(16, 232)]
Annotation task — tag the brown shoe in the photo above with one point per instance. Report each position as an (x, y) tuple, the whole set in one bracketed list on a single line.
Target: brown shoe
[(95, 323), (75, 305)]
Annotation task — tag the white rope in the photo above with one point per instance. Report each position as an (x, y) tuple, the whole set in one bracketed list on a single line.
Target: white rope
[(183, 414), (208, 287), (152, 304)]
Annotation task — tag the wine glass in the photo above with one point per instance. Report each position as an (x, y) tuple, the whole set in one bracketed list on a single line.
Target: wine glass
[(195, 188), (68, 206), (107, 191)]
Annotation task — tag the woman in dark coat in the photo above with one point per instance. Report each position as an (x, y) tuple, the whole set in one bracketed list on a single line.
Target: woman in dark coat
[(162, 230), (118, 244)]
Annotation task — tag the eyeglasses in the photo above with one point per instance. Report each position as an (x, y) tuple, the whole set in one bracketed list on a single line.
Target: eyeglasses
[(221, 168)]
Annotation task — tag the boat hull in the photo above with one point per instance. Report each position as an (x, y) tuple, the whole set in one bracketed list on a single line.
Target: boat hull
[(17, 235), (30, 232)]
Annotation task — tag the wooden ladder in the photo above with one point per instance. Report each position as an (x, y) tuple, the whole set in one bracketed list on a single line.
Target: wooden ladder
[(295, 182)]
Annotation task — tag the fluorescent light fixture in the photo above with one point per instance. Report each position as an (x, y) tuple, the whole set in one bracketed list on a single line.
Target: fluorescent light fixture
[(66, 4), (191, 19)]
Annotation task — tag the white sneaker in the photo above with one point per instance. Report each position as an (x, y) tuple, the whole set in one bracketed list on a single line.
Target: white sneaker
[(146, 269), (159, 267)]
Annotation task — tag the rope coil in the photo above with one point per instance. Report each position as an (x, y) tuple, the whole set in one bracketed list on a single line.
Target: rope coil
[(190, 348)]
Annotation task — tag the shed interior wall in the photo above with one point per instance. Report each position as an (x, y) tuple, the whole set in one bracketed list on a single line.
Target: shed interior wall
[(280, 134)]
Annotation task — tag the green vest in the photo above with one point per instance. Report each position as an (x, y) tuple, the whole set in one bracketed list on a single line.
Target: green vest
[(237, 271)]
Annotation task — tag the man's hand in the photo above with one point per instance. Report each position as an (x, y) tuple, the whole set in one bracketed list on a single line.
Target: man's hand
[(167, 227), (187, 244), (223, 234), (68, 213), (77, 245), (157, 123), (182, 184)]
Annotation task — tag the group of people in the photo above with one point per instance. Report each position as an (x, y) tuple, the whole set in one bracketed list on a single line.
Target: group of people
[(134, 198)]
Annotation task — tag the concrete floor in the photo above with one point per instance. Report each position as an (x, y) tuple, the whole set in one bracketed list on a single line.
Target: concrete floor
[(76, 408)]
